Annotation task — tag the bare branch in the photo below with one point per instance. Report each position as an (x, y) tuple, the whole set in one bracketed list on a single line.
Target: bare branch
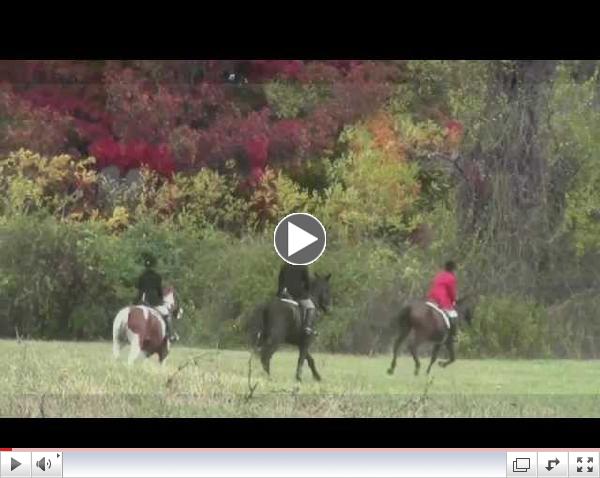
[(251, 387)]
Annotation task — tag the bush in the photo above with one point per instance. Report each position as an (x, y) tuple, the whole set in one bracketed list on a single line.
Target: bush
[(46, 279), (61, 185), (372, 191), (507, 326)]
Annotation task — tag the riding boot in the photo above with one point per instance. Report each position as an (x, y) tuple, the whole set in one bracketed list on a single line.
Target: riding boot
[(169, 321), (309, 319), (453, 330)]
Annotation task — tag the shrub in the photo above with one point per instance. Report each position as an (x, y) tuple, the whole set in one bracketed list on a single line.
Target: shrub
[(509, 326)]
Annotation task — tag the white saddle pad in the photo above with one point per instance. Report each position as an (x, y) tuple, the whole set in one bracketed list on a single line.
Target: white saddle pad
[(435, 307), (289, 301)]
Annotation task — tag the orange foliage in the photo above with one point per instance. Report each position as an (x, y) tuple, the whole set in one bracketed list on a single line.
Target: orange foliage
[(453, 135), (385, 138)]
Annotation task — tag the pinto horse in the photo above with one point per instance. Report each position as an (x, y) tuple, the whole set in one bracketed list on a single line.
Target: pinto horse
[(144, 328), (427, 325)]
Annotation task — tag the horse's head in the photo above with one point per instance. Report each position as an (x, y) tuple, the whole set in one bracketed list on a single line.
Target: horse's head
[(321, 292), (172, 302)]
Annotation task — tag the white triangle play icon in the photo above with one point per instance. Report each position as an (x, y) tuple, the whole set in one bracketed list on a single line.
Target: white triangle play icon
[(298, 239)]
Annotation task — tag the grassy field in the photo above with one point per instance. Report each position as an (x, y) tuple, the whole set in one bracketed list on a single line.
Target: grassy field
[(81, 379)]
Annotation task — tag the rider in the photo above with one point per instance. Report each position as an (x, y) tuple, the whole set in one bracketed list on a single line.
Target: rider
[(150, 292), (443, 293), (296, 281)]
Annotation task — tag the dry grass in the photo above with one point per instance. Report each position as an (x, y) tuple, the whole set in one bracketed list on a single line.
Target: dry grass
[(81, 379)]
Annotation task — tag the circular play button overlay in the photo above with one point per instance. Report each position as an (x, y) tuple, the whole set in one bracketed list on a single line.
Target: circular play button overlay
[(300, 239)]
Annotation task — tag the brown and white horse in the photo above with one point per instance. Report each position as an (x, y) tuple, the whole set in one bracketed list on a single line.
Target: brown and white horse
[(144, 329)]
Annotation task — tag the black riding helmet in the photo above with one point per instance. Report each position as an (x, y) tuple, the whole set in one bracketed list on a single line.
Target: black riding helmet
[(149, 259), (450, 266)]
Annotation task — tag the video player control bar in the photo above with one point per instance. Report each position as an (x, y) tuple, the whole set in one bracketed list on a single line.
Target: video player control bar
[(297, 463)]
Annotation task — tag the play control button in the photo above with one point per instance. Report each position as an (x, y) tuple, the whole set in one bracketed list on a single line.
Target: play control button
[(15, 464), (300, 239)]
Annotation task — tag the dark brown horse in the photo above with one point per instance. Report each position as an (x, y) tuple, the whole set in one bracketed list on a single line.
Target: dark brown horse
[(427, 325), (279, 322)]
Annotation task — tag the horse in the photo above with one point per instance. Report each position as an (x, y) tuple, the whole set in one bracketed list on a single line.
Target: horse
[(428, 325), (144, 328), (281, 322)]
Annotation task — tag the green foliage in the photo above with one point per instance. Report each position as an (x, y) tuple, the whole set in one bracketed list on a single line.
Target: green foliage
[(507, 327), (46, 278), (275, 197), (370, 191), (575, 122), (291, 100)]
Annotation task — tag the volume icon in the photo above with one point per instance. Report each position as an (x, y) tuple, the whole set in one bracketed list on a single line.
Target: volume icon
[(43, 463)]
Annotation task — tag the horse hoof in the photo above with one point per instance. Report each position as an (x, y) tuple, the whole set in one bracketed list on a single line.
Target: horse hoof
[(318, 379), (390, 371)]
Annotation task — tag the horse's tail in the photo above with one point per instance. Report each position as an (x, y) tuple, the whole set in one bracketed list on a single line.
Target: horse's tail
[(261, 333), (118, 329), (401, 321), (255, 327)]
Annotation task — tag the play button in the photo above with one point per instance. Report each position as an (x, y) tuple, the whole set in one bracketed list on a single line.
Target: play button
[(15, 464), (300, 239)]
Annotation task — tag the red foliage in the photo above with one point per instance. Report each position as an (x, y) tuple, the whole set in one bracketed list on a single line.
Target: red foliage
[(289, 140), (257, 151), (319, 72), (39, 129), (260, 70), (323, 128), (131, 155), (180, 114), (345, 66)]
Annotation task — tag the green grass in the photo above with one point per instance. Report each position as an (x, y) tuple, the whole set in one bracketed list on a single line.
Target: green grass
[(81, 379)]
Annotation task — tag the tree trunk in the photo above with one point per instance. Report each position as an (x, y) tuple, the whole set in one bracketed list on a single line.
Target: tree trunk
[(510, 212)]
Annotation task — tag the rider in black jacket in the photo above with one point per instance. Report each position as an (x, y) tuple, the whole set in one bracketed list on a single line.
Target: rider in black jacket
[(150, 292), (296, 281)]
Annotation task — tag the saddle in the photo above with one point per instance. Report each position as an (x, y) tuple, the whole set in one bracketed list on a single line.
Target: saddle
[(156, 309)]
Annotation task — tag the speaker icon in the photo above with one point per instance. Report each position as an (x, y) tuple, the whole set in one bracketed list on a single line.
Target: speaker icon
[(43, 463)]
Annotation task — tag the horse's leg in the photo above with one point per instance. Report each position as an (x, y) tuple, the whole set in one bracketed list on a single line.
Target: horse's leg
[(451, 355), (403, 333), (136, 349), (434, 355), (162, 359), (313, 367), (116, 347), (301, 358), (163, 354), (413, 348)]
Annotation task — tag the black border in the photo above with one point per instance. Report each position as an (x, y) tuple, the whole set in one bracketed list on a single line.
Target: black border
[(301, 433)]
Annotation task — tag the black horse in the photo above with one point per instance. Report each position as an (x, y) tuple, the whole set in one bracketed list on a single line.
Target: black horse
[(428, 326), (280, 322)]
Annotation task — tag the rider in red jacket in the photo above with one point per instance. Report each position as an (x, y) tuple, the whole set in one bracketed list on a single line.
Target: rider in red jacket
[(443, 291)]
